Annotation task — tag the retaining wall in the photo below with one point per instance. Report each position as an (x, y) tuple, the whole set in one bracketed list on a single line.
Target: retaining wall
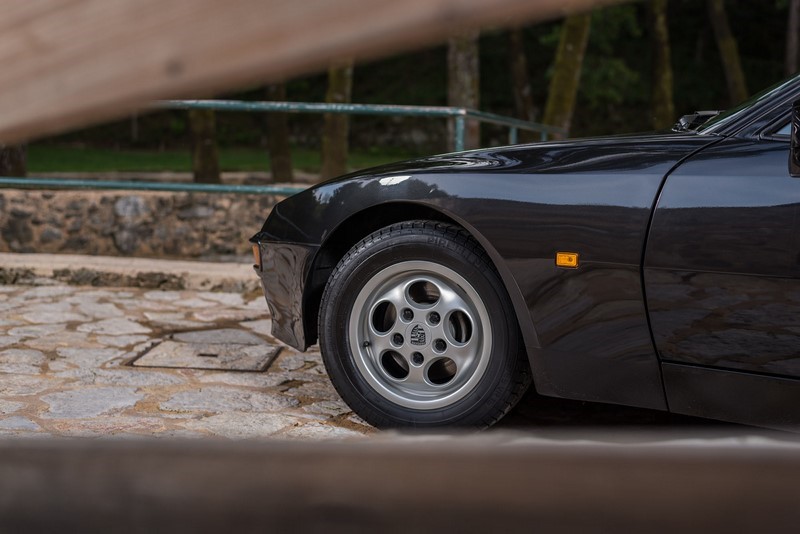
[(141, 224)]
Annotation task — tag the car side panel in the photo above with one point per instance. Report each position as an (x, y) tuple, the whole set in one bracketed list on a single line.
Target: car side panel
[(767, 401), (723, 284), (721, 270)]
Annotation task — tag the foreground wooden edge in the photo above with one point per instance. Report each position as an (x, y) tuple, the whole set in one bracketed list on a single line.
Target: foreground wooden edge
[(459, 484), (68, 63)]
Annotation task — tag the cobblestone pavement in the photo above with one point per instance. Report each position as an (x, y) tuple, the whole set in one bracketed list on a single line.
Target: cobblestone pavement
[(65, 369)]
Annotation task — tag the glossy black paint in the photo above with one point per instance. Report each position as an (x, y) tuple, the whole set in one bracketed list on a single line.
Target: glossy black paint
[(722, 270), (761, 400), (281, 277), (717, 281), (586, 330)]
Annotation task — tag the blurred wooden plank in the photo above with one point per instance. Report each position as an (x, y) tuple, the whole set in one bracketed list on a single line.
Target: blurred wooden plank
[(463, 484), (67, 63)]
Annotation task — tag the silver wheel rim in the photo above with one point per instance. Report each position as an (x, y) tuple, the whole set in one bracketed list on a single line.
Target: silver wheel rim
[(420, 335)]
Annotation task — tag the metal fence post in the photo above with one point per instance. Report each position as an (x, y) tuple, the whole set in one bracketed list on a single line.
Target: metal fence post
[(460, 132), (512, 136)]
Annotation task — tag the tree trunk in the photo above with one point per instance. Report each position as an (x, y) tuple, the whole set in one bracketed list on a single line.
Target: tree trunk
[(134, 128), (728, 51), (205, 154), (567, 71), (521, 82), (280, 155), (463, 83), (337, 125), (663, 107), (13, 160), (792, 35)]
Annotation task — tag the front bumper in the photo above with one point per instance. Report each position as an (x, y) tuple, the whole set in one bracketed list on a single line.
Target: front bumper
[(283, 273)]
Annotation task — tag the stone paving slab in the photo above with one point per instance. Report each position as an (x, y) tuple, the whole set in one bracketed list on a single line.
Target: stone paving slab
[(65, 368), (218, 355)]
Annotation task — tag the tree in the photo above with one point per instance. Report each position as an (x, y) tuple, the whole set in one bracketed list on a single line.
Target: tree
[(13, 160), (205, 154), (792, 34), (567, 71), (280, 155), (521, 82), (463, 82), (337, 125), (728, 51), (663, 107)]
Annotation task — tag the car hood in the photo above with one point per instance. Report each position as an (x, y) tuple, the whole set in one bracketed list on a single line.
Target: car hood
[(624, 170), (572, 155)]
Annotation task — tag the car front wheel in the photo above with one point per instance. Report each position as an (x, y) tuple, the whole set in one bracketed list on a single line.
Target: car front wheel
[(416, 329)]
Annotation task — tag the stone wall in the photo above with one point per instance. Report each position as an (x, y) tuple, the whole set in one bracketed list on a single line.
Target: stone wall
[(142, 224)]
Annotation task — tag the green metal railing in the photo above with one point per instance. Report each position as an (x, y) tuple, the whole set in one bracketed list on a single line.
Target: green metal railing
[(458, 115), (33, 182)]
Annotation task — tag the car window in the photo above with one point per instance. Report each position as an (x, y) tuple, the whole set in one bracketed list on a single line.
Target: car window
[(785, 130), (727, 116)]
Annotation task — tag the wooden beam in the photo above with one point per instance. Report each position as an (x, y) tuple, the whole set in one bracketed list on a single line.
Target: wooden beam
[(463, 484), (67, 63)]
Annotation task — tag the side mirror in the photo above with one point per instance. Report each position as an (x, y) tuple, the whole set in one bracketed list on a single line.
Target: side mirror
[(794, 151), (693, 121)]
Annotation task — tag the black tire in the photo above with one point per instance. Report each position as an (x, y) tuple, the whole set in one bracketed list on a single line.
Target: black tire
[(486, 371)]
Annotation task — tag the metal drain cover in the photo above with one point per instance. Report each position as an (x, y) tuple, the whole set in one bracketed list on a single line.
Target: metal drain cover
[(225, 350)]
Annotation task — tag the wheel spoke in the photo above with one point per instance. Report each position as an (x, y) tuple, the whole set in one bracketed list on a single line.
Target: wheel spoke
[(378, 344), (463, 355), (449, 301), (396, 296), (416, 377)]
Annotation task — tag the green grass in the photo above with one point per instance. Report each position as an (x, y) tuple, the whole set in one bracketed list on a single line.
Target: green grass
[(50, 158)]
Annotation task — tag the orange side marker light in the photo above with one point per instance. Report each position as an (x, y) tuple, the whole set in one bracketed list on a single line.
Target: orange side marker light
[(567, 259)]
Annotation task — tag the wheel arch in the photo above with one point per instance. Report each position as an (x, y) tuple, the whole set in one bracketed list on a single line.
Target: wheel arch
[(359, 225)]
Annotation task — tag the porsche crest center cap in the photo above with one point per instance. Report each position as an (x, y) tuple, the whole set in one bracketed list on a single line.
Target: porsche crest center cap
[(418, 335)]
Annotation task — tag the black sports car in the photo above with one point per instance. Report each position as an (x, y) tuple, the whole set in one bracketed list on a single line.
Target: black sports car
[(660, 271)]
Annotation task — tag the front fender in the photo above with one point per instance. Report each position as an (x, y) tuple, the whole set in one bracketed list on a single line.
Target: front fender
[(585, 329)]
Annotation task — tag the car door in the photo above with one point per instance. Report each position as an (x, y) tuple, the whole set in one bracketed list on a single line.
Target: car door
[(722, 276)]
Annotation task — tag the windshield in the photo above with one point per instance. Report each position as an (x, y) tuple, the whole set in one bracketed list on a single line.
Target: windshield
[(729, 115)]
